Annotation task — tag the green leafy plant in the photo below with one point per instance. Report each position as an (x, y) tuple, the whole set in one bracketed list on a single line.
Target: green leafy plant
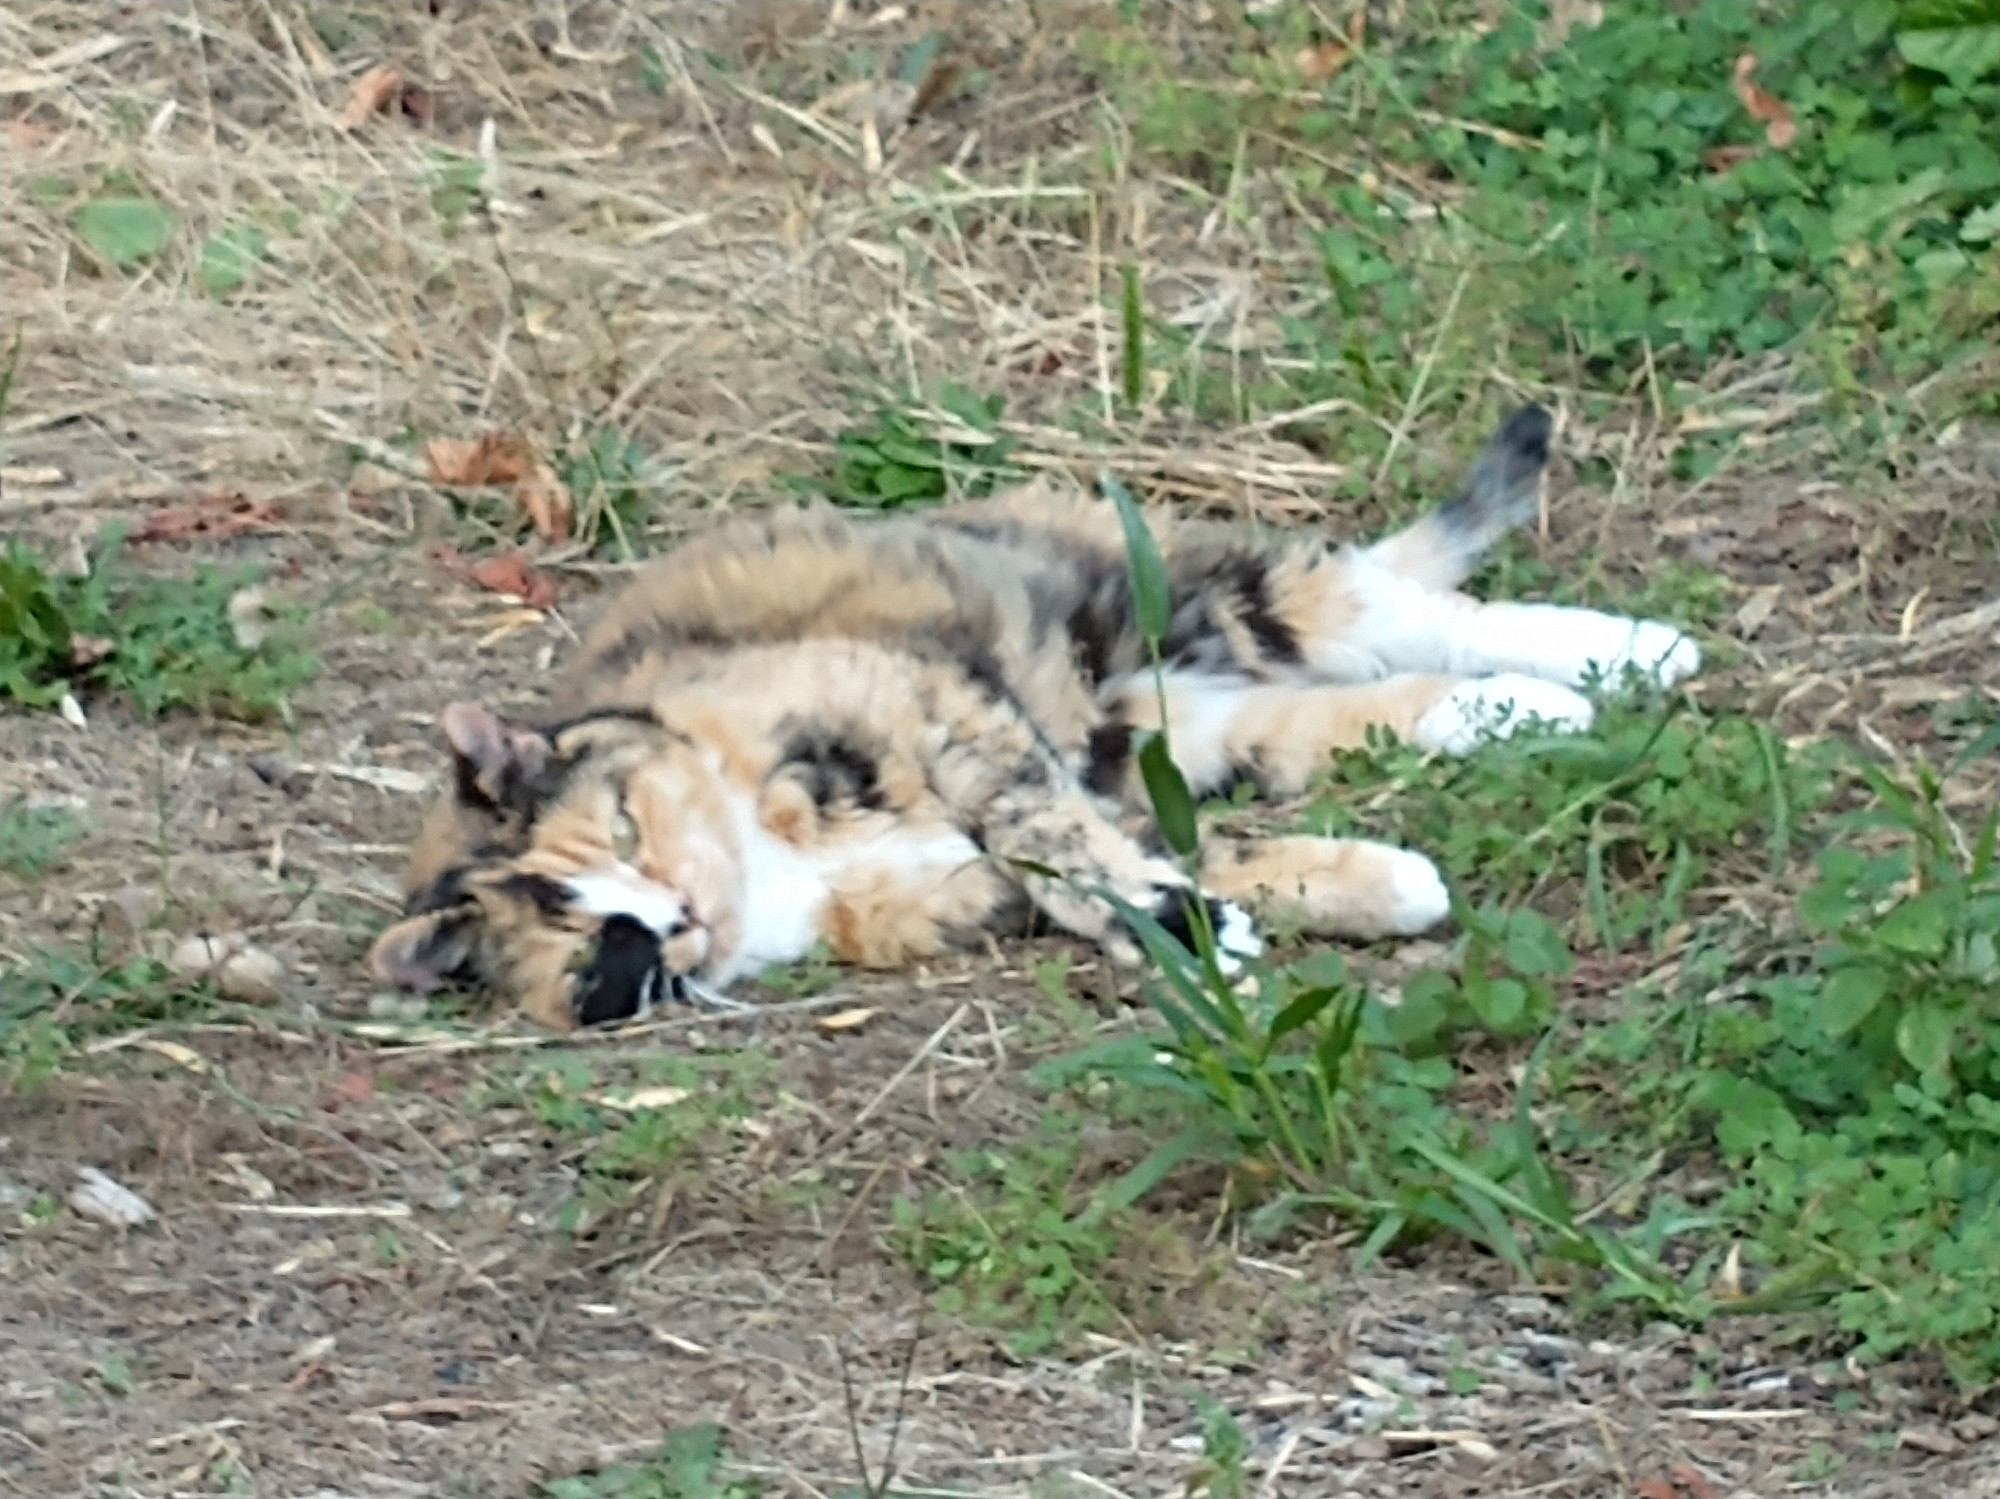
[(126, 230), (1634, 817), (54, 1000), (604, 472), (161, 642), (230, 257), (34, 839), (688, 1464), (1608, 205), (916, 455), (1019, 1242), (1859, 1101)]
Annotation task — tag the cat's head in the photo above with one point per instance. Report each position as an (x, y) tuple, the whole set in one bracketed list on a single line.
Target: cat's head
[(584, 870)]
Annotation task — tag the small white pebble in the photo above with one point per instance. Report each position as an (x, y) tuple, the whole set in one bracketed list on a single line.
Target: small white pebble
[(97, 1196)]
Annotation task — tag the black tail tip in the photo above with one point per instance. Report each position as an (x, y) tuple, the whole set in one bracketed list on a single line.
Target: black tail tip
[(1525, 434)]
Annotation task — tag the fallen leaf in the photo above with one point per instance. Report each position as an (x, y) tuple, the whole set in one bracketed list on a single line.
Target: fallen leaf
[(516, 575), (356, 1087), (847, 1020), (28, 135), (437, 1408), (496, 458), (214, 515), (72, 712), (1773, 113), (88, 650), (1655, 1488), (1691, 1478), (512, 574), (547, 501), (97, 1196), (1724, 158), (1321, 61), (371, 94)]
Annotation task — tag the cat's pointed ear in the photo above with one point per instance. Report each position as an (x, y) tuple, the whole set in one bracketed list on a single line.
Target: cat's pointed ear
[(493, 758), (422, 952)]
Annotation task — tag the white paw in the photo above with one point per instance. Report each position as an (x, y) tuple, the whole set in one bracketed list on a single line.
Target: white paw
[(1496, 707), (1236, 937), (1418, 899), (1659, 652)]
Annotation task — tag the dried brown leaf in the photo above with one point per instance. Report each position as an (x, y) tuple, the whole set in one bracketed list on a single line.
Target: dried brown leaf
[(372, 93), (546, 499), (1773, 113), (215, 515), (88, 650), (512, 574), (496, 458), (1322, 60)]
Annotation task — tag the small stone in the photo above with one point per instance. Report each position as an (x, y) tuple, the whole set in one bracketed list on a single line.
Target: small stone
[(242, 972), (97, 1196)]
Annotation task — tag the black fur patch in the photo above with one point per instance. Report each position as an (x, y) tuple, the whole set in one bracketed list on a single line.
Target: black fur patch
[(624, 975), (642, 716), (1249, 578), (1101, 621), (548, 896), (839, 768), (648, 636), (1175, 912), (1107, 757)]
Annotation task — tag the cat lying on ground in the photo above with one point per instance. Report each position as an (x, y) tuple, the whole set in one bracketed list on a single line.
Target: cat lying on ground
[(899, 734)]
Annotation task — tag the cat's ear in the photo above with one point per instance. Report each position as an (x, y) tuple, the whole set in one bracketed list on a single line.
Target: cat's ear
[(493, 758), (423, 952)]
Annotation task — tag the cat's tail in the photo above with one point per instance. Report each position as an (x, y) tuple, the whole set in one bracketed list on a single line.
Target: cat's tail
[(1502, 489)]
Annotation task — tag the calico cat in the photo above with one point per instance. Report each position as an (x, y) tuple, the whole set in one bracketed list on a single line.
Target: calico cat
[(900, 734)]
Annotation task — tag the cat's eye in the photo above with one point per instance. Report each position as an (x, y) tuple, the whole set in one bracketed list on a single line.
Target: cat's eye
[(624, 834)]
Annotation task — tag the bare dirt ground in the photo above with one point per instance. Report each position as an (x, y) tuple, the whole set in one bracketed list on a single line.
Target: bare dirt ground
[(361, 1281)]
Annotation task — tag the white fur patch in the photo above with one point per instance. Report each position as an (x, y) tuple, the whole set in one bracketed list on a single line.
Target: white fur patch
[(1495, 708), (1418, 899), (622, 891), (1569, 645), (1405, 627), (1236, 938)]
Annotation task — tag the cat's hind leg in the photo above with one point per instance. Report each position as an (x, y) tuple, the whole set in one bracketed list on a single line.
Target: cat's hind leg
[(1278, 735), (1362, 613), (1329, 887)]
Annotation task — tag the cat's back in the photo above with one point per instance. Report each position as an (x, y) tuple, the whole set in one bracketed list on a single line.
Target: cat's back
[(964, 572)]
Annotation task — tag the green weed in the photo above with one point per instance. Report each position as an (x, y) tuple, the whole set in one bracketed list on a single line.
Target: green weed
[(604, 472), (1224, 1451), (1628, 824), (919, 454), (1019, 1242), (1857, 1096), (33, 840), (53, 1001), (660, 1128), (688, 1464), (160, 642), (1606, 210)]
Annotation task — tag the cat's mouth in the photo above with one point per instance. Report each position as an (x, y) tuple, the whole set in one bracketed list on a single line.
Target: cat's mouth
[(649, 951)]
